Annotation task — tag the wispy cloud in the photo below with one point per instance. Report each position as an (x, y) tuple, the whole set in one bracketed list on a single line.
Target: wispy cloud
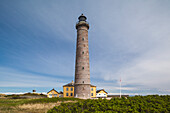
[(127, 39), (16, 78), (135, 46)]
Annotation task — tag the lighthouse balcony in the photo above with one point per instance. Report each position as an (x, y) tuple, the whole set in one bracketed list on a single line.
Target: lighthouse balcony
[(82, 23)]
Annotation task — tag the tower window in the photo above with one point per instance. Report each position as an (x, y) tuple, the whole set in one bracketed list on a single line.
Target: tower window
[(83, 68), (83, 81), (83, 52), (91, 94), (66, 89), (83, 39), (91, 89), (71, 94), (66, 94), (71, 89)]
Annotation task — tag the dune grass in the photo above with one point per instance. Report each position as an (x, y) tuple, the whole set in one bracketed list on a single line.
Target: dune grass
[(31, 105)]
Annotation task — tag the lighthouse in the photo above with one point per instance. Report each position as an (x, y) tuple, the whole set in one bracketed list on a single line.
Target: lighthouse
[(82, 67)]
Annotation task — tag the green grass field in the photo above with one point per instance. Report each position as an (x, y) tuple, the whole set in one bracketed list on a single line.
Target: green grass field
[(137, 104), (31, 105)]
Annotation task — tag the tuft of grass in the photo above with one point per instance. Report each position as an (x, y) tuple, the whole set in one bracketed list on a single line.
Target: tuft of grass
[(52, 100), (31, 105)]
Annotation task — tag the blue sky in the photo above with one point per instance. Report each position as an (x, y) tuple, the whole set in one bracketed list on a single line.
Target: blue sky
[(127, 39)]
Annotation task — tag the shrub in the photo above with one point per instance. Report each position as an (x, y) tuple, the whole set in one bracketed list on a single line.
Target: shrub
[(137, 104)]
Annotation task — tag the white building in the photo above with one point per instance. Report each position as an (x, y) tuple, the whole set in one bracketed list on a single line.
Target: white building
[(101, 93)]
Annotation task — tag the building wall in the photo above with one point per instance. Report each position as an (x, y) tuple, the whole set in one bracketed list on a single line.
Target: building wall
[(101, 94), (93, 91), (52, 94), (60, 95), (65, 92), (82, 67), (69, 91)]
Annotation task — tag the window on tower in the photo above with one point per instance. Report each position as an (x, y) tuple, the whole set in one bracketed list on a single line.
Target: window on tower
[(66, 89), (83, 68), (83, 52), (83, 39)]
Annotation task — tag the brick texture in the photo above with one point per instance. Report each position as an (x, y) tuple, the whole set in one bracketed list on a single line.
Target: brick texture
[(82, 68)]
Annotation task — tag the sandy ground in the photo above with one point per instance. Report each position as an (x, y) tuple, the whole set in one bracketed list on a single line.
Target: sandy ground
[(34, 108)]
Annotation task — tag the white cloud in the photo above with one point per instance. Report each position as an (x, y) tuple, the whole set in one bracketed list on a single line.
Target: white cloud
[(15, 78), (126, 38), (135, 45), (150, 70)]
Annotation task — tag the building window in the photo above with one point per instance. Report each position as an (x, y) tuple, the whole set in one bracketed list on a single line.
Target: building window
[(91, 89), (83, 52), (91, 94), (66, 94), (83, 39), (55, 95), (71, 89), (71, 94), (83, 68), (66, 89), (50, 95), (83, 81)]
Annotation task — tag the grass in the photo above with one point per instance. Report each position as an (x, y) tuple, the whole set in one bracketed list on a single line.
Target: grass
[(31, 105)]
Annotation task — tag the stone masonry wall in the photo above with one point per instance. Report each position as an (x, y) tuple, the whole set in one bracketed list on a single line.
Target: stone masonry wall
[(82, 68)]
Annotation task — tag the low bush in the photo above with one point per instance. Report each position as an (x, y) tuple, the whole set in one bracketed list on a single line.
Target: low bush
[(137, 104)]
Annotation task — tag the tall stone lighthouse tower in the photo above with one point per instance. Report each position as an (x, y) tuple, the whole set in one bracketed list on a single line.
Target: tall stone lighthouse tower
[(82, 68)]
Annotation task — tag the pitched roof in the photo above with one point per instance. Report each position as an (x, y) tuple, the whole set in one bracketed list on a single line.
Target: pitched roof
[(60, 92), (69, 84), (92, 85), (52, 90), (101, 90)]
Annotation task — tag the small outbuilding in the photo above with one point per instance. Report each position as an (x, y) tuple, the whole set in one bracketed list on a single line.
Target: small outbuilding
[(101, 93), (52, 93)]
